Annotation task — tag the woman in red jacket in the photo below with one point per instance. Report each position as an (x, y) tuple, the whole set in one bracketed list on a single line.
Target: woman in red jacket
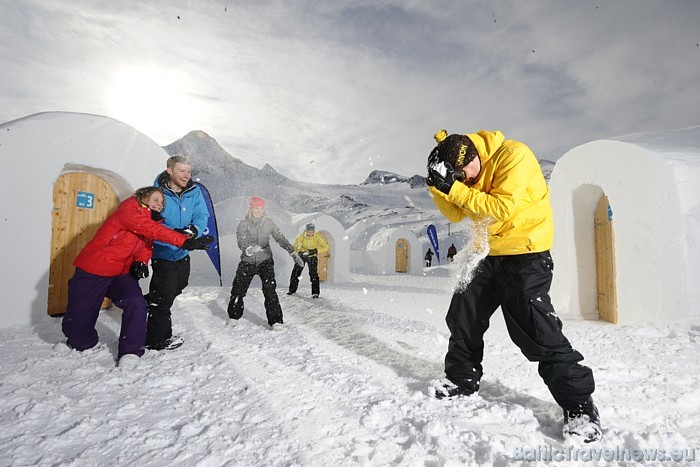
[(111, 264)]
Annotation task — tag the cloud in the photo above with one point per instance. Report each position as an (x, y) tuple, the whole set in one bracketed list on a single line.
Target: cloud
[(357, 86)]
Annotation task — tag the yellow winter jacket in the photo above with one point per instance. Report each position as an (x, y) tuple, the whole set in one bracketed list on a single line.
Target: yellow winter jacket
[(305, 243), (510, 193)]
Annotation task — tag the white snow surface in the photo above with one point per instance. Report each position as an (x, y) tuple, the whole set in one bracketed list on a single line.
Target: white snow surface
[(346, 383)]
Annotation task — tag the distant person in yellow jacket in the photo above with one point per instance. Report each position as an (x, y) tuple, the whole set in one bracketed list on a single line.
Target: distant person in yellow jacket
[(308, 244), (487, 178)]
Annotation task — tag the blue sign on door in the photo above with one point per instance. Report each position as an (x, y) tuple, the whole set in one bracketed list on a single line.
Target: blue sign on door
[(85, 200)]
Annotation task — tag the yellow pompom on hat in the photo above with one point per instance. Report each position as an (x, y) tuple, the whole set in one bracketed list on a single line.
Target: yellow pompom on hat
[(440, 136)]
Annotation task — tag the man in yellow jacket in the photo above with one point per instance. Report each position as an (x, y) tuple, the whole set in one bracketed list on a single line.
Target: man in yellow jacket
[(492, 180), (308, 244)]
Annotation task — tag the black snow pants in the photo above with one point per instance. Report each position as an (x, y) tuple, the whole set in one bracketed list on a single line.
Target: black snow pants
[(520, 286), (312, 261), (239, 289), (168, 281)]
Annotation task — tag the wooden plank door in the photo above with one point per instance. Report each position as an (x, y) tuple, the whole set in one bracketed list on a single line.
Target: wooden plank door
[(401, 255), (323, 261), (81, 203), (605, 261)]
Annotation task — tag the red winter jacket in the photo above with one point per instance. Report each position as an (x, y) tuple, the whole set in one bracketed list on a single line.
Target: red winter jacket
[(125, 237)]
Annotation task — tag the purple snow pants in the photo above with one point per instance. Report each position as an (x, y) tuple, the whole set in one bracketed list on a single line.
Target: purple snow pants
[(85, 294)]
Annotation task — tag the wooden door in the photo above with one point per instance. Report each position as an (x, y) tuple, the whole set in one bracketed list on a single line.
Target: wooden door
[(605, 261), (81, 203), (401, 255), (323, 261)]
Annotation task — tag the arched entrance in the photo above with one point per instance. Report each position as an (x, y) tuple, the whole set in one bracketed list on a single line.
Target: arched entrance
[(605, 261), (401, 255), (81, 203)]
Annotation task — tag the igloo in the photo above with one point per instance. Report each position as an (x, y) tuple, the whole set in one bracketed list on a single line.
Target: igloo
[(392, 250), (47, 155), (627, 228)]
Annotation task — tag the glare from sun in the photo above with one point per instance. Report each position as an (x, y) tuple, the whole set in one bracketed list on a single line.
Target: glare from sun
[(154, 101)]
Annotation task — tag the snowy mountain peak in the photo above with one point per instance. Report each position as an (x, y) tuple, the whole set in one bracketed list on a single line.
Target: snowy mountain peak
[(269, 171), (198, 134), (198, 145), (383, 177), (546, 167)]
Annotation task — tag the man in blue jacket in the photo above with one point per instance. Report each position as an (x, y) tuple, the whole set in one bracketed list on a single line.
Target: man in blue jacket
[(185, 211)]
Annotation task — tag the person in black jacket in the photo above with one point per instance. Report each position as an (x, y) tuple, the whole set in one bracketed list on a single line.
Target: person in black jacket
[(429, 258), (451, 252)]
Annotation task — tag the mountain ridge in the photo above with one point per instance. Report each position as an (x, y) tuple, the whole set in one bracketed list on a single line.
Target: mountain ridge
[(384, 199)]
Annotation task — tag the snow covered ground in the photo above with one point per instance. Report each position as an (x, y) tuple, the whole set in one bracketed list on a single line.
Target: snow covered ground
[(345, 384)]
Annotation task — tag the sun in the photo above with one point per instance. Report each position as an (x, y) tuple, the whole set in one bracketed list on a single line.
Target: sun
[(157, 102)]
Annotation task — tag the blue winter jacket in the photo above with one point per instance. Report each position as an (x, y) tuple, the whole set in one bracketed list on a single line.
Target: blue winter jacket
[(180, 211)]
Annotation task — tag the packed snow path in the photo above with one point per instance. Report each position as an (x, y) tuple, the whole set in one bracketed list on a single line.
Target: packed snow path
[(345, 384)]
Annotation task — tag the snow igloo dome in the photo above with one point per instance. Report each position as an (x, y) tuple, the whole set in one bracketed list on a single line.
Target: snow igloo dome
[(627, 228)]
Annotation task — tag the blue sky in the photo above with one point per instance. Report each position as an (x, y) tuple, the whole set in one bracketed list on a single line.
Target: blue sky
[(328, 91)]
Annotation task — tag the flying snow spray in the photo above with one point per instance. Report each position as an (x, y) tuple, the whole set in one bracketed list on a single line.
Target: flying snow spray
[(471, 255)]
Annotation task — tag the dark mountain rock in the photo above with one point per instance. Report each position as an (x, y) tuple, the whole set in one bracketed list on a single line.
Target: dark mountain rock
[(546, 167), (382, 177)]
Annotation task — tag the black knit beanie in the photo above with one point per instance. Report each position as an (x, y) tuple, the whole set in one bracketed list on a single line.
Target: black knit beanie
[(456, 150)]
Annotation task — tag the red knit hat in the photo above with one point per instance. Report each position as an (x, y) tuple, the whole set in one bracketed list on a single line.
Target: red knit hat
[(255, 201)]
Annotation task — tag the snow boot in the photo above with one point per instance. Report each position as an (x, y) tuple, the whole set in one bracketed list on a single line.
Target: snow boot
[(446, 389), (235, 308), (168, 344), (582, 422), (314, 295)]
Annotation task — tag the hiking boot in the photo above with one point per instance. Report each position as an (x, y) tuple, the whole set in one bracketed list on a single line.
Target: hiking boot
[(167, 344), (290, 293), (314, 295), (583, 422), (446, 389)]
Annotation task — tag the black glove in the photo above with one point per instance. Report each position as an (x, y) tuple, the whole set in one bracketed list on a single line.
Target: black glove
[(443, 182), (138, 270), (304, 254), (156, 216), (190, 231), (313, 252), (201, 243)]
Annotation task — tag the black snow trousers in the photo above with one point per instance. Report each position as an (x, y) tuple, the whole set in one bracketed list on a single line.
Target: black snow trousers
[(519, 284), (239, 289), (312, 261), (168, 281)]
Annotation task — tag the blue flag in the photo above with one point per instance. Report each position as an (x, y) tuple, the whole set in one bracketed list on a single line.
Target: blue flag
[(213, 230), (432, 235)]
